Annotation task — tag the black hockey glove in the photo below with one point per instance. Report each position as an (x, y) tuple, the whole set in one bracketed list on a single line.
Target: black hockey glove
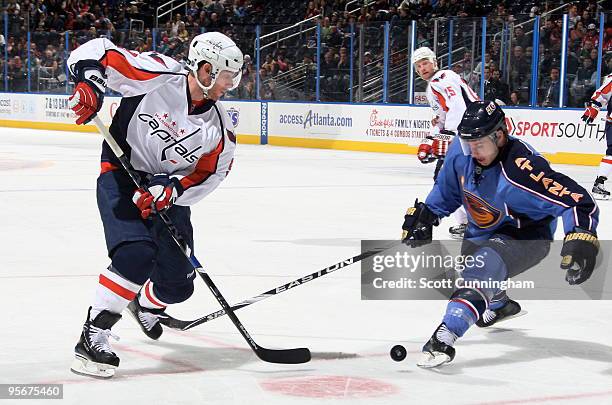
[(418, 225), (579, 253)]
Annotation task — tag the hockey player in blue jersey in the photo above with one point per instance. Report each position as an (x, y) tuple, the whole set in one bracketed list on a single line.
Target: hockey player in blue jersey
[(511, 195)]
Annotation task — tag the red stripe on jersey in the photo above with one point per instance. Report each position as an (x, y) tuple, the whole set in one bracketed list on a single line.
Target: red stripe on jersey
[(149, 294), (116, 288), (440, 99), (107, 167), (119, 62), (207, 165), (607, 88), (608, 161)]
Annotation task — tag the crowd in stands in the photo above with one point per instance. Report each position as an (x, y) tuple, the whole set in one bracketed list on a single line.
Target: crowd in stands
[(288, 68)]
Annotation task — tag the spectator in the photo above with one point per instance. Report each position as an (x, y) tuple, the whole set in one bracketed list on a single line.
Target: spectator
[(182, 33), (607, 42), (335, 37), (176, 24), (520, 39), (573, 17), (496, 51), (591, 35), (553, 88), (312, 10), (587, 47), (17, 74), (495, 89), (519, 68), (344, 63), (515, 99), (577, 35), (282, 64), (270, 66), (215, 23), (192, 9), (583, 85)]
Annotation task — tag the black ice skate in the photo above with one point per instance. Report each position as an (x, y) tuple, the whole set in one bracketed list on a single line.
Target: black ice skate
[(439, 349), (599, 191), (147, 318), (93, 353), (457, 231), (511, 309)]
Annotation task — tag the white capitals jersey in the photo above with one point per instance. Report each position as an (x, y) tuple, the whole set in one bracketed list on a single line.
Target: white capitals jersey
[(156, 125), (448, 95), (603, 94)]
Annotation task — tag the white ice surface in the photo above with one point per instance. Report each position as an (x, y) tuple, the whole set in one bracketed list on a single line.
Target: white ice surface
[(281, 214)]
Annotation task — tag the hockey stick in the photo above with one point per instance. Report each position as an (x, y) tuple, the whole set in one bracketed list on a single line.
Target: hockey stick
[(184, 325), (287, 356)]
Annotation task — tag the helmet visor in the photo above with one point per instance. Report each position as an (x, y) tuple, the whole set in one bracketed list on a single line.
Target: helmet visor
[(228, 80), (478, 145)]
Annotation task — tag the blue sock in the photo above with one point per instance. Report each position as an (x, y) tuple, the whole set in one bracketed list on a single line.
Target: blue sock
[(458, 318)]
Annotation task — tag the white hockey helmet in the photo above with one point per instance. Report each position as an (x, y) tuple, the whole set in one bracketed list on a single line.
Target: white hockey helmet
[(424, 53), (221, 52)]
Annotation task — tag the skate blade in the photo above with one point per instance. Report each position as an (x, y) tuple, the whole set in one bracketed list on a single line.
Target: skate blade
[(456, 236), (433, 359), (517, 315), (83, 366), (601, 197)]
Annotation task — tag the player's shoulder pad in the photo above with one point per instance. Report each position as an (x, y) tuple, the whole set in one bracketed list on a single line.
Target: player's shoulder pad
[(528, 170)]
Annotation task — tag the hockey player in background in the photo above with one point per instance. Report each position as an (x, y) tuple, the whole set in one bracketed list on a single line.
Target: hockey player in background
[(500, 181), (181, 139), (448, 95), (601, 99)]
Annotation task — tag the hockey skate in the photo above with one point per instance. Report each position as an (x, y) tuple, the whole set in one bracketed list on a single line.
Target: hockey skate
[(511, 309), (599, 191), (147, 318), (93, 353), (439, 349), (457, 231)]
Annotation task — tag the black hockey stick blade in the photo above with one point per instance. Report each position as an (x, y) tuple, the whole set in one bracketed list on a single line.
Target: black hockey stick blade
[(284, 356)]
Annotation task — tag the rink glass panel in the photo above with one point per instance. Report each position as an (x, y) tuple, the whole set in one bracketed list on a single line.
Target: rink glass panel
[(354, 62)]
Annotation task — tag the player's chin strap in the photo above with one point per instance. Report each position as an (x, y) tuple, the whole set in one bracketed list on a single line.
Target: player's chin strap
[(204, 88)]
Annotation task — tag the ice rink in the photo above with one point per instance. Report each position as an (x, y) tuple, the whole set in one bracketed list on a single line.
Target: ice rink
[(281, 214)]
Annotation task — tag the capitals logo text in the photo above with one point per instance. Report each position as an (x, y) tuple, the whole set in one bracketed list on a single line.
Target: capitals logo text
[(175, 139)]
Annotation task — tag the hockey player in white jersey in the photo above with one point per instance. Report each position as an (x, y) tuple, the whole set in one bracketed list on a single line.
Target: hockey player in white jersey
[(175, 134), (448, 95), (601, 99)]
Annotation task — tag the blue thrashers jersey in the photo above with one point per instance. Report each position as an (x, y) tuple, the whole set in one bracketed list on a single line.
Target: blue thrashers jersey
[(518, 194)]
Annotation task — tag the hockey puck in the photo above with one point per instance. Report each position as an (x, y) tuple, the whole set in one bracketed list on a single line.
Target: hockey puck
[(398, 353)]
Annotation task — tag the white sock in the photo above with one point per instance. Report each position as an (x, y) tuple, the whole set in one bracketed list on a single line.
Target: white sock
[(148, 299), (460, 215), (113, 294), (605, 167)]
